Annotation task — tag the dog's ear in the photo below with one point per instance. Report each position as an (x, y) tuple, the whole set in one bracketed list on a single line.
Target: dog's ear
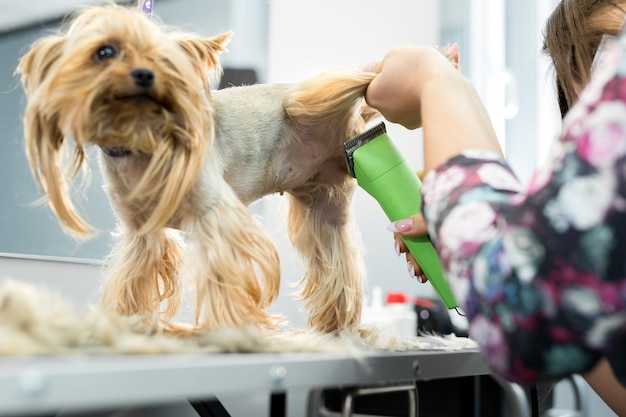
[(44, 140), (34, 66), (44, 143), (206, 50)]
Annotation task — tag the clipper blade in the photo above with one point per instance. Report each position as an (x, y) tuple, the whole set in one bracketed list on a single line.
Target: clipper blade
[(353, 144)]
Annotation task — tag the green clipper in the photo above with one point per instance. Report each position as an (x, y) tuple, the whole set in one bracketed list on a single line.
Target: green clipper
[(381, 170)]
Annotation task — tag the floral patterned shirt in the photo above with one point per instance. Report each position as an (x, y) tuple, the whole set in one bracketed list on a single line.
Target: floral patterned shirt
[(541, 270)]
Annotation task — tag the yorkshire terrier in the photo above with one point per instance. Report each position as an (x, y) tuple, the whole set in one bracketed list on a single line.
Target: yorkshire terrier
[(178, 156)]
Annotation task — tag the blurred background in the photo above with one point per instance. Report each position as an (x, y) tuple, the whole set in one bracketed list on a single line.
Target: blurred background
[(285, 41)]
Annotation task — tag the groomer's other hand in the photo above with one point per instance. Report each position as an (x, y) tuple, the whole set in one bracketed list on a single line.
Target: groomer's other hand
[(403, 75), (412, 227)]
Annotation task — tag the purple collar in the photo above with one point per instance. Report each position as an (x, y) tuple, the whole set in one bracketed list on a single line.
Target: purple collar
[(116, 152)]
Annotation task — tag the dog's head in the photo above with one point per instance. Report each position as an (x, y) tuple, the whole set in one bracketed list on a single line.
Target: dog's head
[(132, 86)]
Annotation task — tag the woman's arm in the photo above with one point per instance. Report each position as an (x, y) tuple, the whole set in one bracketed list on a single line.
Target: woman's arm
[(602, 379), (537, 270), (419, 86)]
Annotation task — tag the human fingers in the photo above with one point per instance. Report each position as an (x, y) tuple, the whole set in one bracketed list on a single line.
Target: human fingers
[(393, 92), (415, 271), (403, 74), (413, 268), (451, 52), (374, 67), (411, 227)]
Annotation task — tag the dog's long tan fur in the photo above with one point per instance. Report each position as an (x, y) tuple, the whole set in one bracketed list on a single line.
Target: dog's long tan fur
[(179, 156)]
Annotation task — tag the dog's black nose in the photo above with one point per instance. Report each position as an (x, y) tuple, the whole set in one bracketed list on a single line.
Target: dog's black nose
[(143, 77)]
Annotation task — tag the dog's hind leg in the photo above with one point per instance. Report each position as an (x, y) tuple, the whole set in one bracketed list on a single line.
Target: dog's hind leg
[(232, 264), (142, 276), (321, 227)]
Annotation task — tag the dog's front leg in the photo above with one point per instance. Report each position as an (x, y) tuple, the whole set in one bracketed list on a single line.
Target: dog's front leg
[(231, 261), (321, 227), (142, 276)]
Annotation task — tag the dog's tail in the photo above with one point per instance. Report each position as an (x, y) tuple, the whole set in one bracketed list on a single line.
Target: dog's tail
[(323, 100), (327, 98)]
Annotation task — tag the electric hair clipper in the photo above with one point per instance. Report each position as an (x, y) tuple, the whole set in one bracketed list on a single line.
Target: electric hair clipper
[(380, 169)]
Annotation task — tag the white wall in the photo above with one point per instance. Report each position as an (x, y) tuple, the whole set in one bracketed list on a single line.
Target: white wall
[(16, 13)]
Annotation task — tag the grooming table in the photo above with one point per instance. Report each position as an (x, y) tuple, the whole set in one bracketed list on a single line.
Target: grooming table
[(90, 384)]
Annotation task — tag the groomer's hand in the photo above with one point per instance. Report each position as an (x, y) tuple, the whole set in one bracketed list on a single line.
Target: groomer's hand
[(403, 75), (412, 227)]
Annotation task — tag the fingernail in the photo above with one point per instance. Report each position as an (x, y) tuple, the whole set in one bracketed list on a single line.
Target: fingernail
[(396, 246), (411, 269), (401, 226), (365, 67), (421, 279)]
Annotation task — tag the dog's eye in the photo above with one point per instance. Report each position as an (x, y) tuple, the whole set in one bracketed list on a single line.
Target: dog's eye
[(105, 52)]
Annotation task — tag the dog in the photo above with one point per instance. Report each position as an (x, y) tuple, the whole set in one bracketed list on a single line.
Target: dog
[(179, 157)]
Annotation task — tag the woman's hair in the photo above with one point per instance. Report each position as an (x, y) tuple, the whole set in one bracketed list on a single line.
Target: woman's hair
[(572, 35)]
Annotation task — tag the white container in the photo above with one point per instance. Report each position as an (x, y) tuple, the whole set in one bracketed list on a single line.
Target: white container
[(403, 316), (397, 317), (377, 314)]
